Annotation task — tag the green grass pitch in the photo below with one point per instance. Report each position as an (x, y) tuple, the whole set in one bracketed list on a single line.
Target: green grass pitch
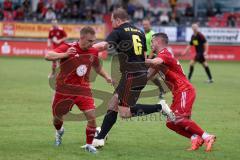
[(26, 131)]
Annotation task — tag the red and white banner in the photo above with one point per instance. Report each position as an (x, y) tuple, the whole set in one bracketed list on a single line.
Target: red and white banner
[(38, 49), (19, 48), (216, 52)]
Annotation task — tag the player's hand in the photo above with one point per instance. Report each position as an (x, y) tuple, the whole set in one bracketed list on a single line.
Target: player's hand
[(183, 53), (205, 53), (148, 62), (101, 46), (110, 80), (71, 51), (51, 76)]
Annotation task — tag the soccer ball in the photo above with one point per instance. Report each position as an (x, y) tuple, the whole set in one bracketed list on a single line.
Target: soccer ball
[(98, 130)]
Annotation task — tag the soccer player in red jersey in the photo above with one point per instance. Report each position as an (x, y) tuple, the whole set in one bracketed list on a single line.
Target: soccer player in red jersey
[(72, 83), (183, 94), (56, 37)]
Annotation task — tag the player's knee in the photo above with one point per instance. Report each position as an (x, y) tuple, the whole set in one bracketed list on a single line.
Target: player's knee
[(91, 118), (113, 103), (92, 123), (124, 112)]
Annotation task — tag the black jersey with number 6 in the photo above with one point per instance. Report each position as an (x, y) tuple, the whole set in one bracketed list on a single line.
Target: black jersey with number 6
[(130, 44)]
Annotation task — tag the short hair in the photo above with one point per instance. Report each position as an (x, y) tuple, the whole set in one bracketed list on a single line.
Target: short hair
[(121, 14), (147, 19), (87, 30), (161, 35)]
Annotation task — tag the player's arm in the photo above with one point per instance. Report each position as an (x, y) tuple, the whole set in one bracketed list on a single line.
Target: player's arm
[(156, 62), (101, 46), (151, 55), (186, 49), (151, 73), (206, 46), (99, 69), (61, 40), (49, 42), (53, 56)]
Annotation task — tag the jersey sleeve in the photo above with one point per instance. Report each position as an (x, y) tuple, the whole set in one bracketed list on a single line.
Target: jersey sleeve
[(62, 48), (144, 44), (49, 35), (64, 34), (164, 58)]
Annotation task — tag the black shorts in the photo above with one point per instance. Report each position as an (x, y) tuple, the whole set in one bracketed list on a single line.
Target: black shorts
[(200, 58), (130, 87)]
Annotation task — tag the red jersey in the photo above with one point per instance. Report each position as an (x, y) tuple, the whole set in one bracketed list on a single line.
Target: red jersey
[(75, 70), (56, 33), (172, 70), (7, 5)]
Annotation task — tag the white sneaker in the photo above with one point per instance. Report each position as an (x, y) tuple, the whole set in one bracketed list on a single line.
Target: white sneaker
[(58, 137), (89, 148), (98, 142), (167, 110)]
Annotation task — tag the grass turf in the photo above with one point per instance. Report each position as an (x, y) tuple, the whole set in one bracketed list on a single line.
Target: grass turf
[(26, 130)]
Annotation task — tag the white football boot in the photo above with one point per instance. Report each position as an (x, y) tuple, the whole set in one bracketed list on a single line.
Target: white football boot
[(89, 148), (58, 137), (167, 110), (98, 143)]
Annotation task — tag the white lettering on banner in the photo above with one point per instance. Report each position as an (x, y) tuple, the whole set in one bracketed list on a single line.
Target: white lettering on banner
[(28, 51), (170, 31), (221, 56), (217, 35)]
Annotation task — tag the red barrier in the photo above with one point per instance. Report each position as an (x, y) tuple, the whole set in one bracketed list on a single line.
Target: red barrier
[(38, 49), (216, 52), (19, 48)]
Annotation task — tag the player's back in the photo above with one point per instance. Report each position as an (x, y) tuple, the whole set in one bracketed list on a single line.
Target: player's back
[(174, 75), (130, 44)]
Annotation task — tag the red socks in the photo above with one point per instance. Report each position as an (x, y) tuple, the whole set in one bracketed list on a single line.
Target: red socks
[(186, 128), (90, 133), (191, 127), (178, 129)]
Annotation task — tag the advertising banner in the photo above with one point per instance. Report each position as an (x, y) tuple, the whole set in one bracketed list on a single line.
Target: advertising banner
[(32, 30), (217, 35), (170, 31), (39, 49), (216, 52), (28, 49)]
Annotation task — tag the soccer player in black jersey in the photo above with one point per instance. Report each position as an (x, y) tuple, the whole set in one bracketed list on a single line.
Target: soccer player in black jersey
[(129, 43), (201, 46)]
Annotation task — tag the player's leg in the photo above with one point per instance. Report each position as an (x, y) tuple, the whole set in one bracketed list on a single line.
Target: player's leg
[(61, 106), (200, 135), (86, 105), (171, 125), (90, 130), (145, 109), (184, 112), (128, 107), (110, 118), (157, 82), (207, 70), (119, 98), (191, 68)]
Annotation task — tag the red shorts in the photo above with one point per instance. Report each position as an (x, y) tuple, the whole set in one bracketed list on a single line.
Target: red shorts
[(62, 104), (183, 102)]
